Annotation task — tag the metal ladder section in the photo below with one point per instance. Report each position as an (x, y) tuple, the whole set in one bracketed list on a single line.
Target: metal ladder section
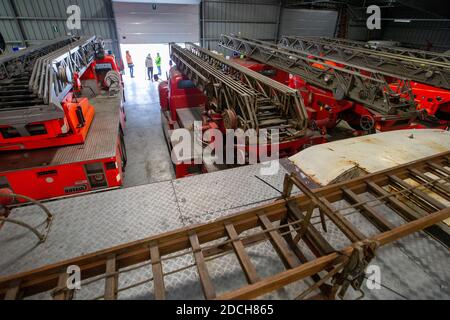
[(346, 80), (36, 94), (399, 51), (431, 72), (19, 63), (16, 70), (416, 192), (246, 99)]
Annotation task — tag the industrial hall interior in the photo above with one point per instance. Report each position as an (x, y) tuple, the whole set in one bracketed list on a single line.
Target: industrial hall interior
[(271, 150)]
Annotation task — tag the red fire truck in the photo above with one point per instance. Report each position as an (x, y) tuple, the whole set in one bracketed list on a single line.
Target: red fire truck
[(63, 136)]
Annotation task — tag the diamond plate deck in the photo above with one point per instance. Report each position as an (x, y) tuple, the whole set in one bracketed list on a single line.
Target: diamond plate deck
[(415, 267)]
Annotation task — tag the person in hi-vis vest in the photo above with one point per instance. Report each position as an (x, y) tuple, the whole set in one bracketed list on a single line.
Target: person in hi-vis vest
[(158, 63), (130, 64)]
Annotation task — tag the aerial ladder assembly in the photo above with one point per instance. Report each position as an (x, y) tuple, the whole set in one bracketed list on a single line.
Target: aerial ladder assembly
[(365, 91), (235, 97), (429, 71), (61, 119)]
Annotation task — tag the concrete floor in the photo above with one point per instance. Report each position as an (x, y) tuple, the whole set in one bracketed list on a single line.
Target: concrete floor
[(148, 156)]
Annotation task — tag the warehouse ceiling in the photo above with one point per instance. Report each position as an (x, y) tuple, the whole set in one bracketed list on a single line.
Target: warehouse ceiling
[(162, 1), (415, 8)]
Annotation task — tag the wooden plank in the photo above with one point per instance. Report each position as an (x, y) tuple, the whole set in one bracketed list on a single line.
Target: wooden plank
[(438, 167), (418, 193), (312, 237), (244, 259), (111, 282), (305, 224), (441, 189), (13, 292), (440, 231), (287, 256), (158, 276), (348, 229), (205, 279), (62, 292), (374, 217)]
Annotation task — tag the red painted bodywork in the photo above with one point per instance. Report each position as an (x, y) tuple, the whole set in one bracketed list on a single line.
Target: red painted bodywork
[(435, 104), (324, 111), (173, 98), (60, 179), (180, 98), (268, 71), (49, 182)]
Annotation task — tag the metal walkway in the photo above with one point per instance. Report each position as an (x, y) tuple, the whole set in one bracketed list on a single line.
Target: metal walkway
[(416, 193)]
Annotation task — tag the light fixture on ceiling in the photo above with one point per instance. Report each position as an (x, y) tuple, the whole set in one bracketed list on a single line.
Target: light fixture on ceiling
[(402, 20)]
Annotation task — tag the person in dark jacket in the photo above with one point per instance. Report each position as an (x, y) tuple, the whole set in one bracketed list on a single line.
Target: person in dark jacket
[(149, 66)]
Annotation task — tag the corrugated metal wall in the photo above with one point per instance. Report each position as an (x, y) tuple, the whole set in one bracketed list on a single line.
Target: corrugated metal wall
[(8, 25), (251, 18), (303, 22), (428, 35), (423, 31), (40, 20)]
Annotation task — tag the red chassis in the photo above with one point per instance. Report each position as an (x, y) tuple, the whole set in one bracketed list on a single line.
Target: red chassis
[(65, 171)]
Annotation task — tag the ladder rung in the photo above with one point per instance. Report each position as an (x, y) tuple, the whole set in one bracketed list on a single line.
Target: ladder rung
[(62, 291), (378, 220), (287, 256), (205, 279), (13, 292), (406, 212), (244, 259), (418, 193), (158, 276), (440, 188), (438, 167), (343, 224), (111, 282), (313, 237)]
